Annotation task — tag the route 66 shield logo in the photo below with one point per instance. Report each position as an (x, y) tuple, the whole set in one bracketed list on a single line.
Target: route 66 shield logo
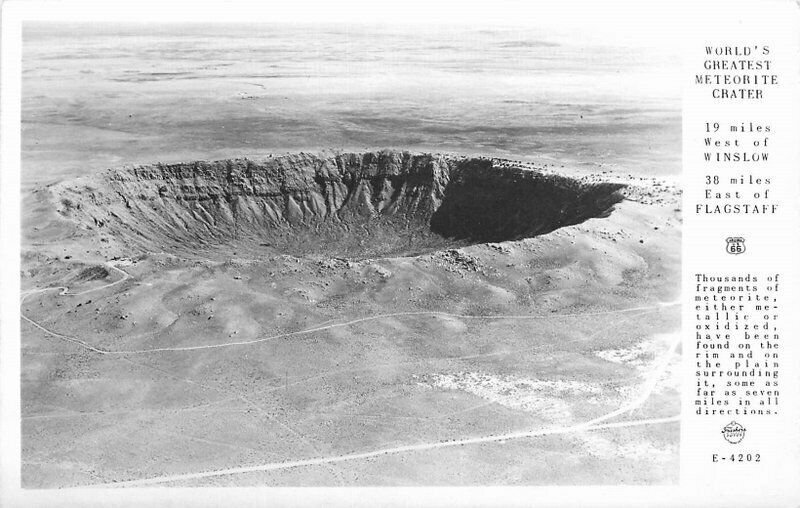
[(735, 245)]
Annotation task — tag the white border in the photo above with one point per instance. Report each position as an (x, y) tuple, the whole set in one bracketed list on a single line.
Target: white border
[(661, 21)]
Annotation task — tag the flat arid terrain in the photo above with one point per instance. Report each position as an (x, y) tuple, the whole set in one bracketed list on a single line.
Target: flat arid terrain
[(453, 298)]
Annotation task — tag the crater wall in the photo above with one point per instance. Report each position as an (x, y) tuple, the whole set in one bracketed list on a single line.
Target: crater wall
[(373, 204)]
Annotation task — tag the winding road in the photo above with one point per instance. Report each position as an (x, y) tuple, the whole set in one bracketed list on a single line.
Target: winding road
[(385, 451), (594, 424), (591, 425), (305, 331)]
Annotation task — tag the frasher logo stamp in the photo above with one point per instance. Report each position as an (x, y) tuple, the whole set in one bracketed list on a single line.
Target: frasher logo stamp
[(733, 432)]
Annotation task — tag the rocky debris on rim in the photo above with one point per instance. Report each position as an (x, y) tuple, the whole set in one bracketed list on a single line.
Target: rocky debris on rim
[(457, 261), (499, 247)]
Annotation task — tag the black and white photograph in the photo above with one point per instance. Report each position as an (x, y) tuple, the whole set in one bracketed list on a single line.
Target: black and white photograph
[(310, 254)]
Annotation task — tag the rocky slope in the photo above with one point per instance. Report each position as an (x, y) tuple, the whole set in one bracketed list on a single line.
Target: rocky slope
[(346, 204)]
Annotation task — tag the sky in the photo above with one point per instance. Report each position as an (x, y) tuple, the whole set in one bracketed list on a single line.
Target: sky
[(625, 21)]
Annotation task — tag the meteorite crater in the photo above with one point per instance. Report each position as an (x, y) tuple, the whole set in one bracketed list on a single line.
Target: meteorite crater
[(356, 205)]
